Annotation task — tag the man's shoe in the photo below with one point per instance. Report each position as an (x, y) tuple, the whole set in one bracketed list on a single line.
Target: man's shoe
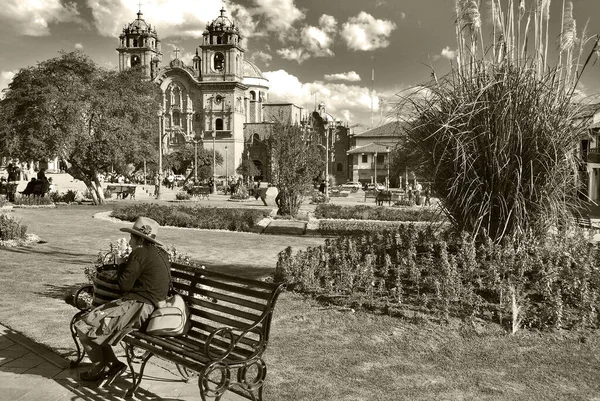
[(116, 369), (91, 376)]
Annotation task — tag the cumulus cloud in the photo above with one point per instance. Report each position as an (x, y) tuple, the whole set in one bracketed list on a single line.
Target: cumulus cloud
[(181, 18), (318, 40), (263, 57), (277, 16), (34, 17), (78, 46), (351, 76), (342, 101), (293, 53), (448, 53), (364, 32)]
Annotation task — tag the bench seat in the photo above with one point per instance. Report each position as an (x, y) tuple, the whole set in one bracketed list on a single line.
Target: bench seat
[(230, 324)]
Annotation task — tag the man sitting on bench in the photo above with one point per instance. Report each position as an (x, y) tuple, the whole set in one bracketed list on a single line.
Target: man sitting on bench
[(29, 188)]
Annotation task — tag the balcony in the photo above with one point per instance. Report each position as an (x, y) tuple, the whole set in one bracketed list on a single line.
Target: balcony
[(593, 156)]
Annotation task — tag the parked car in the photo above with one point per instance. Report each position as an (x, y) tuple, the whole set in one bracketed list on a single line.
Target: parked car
[(352, 185)]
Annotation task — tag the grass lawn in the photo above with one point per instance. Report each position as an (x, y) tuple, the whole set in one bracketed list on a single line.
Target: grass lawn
[(316, 352)]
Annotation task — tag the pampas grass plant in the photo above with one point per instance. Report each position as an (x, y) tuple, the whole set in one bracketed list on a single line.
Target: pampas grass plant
[(498, 131)]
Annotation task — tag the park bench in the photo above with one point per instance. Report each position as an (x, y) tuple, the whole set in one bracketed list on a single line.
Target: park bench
[(370, 194), (584, 221), (200, 191), (230, 324), (383, 196), (122, 190)]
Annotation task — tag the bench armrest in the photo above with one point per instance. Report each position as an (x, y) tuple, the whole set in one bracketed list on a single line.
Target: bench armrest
[(234, 337)]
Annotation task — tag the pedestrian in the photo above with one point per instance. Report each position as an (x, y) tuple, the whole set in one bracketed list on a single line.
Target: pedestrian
[(14, 176), (427, 195), (409, 192), (144, 280)]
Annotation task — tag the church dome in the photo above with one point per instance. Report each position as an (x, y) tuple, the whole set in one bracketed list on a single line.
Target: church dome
[(139, 24), (222, 23), (252, 71)]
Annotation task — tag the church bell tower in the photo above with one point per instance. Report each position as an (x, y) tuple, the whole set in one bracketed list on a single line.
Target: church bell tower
[(222, 53), (139, 46)]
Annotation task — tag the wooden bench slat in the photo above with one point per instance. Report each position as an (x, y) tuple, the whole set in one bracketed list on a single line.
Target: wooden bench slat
[(222, 319), (235, 289), (224, 309), (227, 298)]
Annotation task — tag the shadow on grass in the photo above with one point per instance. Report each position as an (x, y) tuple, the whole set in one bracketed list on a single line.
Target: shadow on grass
[(59, 254), (63, 292)]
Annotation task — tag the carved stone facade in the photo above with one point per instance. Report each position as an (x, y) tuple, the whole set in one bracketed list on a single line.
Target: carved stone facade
[(209, 101)]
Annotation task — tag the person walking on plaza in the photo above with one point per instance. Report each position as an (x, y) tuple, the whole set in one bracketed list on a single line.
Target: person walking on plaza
[(14, 176), (427, 195), (144, 280)]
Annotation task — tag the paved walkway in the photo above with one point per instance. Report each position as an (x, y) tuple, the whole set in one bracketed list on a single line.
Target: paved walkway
[(30, 372)]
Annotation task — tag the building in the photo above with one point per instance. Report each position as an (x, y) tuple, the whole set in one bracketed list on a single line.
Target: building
[(370, 154), (589, 169), (208, 102)]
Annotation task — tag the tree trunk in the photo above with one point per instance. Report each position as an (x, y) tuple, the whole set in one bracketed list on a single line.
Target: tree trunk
[(90, 179)]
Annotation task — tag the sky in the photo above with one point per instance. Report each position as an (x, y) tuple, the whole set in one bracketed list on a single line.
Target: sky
[(355, 56)]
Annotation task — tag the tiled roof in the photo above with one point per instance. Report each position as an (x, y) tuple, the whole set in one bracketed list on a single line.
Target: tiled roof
[(369, 148), (393, 128)]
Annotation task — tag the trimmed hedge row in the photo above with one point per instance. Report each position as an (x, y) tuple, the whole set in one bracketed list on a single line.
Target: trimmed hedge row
[(212, 218), (359, 227), (364, 212)]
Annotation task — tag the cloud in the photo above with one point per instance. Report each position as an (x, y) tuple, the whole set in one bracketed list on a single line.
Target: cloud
[(318, 40), (364, 32), (346, 76), (78, 46), (5, 79), (292, 53), (448, 53), (180, 18), (34, 17), (277, 16), (263, 57), (341, 100)]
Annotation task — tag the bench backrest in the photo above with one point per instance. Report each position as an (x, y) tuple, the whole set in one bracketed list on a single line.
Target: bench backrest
[(221, 300)]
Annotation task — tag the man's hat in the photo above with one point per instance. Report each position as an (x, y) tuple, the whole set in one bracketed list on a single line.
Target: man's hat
[(146, 228)]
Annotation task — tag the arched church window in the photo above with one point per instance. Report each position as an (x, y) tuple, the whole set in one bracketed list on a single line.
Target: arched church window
[(219, 40), (176, 119), (135, 43), (340, 167), (255, 138), (135, 60), (252, 96), (219, 124), (219, 62)]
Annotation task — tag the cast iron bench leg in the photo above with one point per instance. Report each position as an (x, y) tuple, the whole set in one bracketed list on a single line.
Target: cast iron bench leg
[(136, 379)]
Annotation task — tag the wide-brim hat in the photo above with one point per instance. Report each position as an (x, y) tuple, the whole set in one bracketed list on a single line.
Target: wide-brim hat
[(146, 228)]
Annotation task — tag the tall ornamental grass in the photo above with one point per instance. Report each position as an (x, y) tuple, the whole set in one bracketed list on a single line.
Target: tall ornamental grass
[(498, 131)]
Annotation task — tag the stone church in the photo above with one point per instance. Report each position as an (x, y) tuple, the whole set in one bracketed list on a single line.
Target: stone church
[(210, 101)]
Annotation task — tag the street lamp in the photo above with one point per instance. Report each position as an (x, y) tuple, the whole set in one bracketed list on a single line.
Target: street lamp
[(327, 132), (159, 114), (226, 169), (196, 139), (214, 135), (375, 165), (387, 178)]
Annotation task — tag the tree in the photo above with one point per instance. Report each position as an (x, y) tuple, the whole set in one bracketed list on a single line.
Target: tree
[(296, 161), (92, 118), (247, 169), (183, 158)]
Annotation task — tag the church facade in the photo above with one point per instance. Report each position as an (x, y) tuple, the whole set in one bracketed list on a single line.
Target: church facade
[(209, 102)]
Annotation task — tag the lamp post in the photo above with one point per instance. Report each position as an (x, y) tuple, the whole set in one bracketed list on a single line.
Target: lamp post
[(197, 138), (214, 135), (387, 177), (375, 166), (159, 114), (226, 168)]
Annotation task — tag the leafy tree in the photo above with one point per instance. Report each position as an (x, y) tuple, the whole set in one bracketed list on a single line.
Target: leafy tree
[(247, 169), (296, 161), (183, 158), (92, 118)]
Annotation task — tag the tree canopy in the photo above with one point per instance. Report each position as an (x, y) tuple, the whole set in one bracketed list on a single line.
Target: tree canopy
[(92, 118)]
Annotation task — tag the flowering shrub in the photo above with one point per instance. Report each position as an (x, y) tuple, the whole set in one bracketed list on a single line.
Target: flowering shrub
[(11, 229), (319, 197), (554, 283), (181, 195), (66, 197), (33, 201), (241, 192), (119, 252)]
